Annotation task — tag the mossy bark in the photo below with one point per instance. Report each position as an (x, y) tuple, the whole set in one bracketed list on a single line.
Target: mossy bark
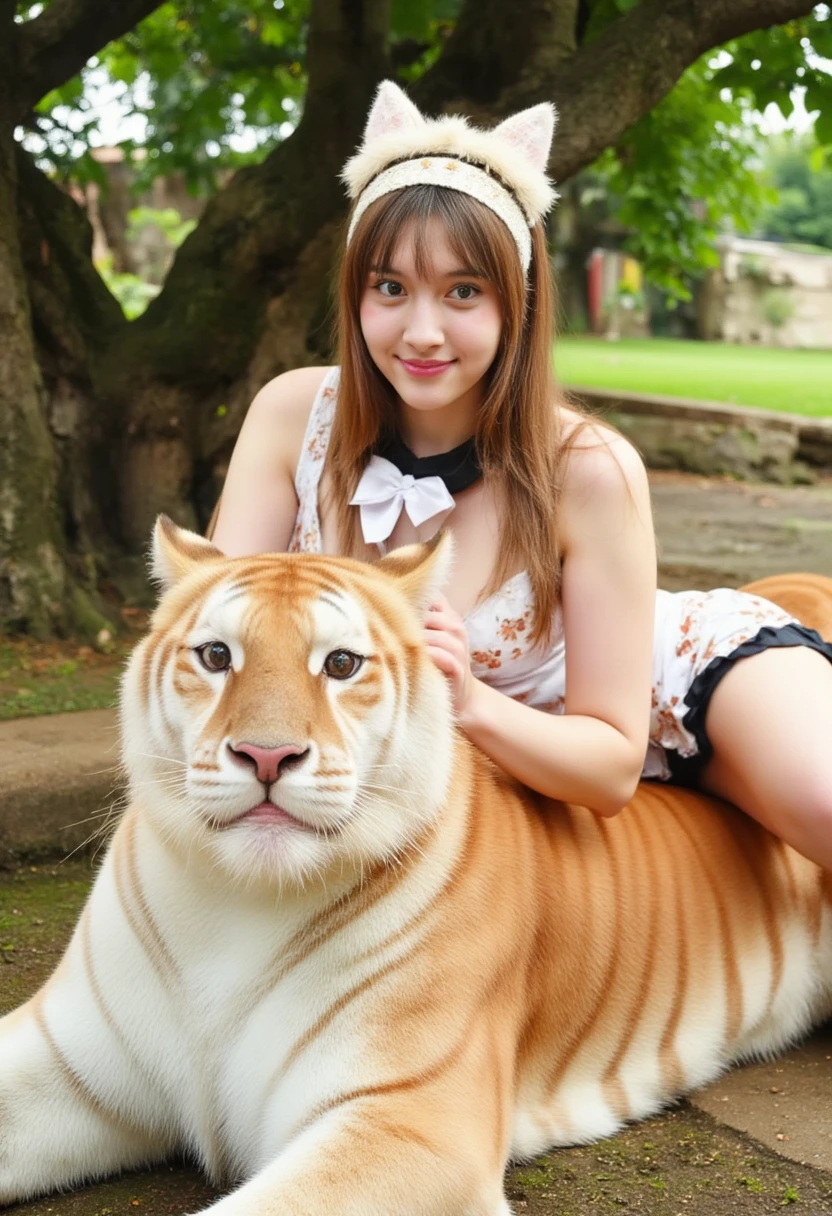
[(33, 580)]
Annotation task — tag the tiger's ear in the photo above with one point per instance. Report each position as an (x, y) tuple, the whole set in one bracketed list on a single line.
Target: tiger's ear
[(175, 552), (421, 570)]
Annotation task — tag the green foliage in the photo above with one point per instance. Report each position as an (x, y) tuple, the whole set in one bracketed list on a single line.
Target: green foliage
[(418, 30), (802, 212), (691, 167), (680, 175), (420, 19), (778, 308), (167, 220), (217, 85), (767, 65), (132, 293)]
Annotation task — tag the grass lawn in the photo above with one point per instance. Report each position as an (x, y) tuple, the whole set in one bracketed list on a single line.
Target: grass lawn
[(62, 676), (795, 381)]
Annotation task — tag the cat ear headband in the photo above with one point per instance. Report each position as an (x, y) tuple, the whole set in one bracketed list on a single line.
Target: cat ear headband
[(504, 168)]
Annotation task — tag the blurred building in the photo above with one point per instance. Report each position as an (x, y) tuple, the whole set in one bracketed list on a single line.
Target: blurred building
[(615, 290), (770, 294)]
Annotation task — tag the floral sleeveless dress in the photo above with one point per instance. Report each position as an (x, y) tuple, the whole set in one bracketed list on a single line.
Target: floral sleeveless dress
[(698, 634)]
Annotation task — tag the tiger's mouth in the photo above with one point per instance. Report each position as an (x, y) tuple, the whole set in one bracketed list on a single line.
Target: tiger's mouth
[(269, 814)]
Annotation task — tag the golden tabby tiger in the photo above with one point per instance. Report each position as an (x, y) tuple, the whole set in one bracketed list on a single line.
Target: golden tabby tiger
[(348, 964)]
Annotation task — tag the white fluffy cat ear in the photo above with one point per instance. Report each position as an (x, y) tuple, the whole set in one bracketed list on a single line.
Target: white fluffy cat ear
[(530, 133), (391, 111), (175, 551)]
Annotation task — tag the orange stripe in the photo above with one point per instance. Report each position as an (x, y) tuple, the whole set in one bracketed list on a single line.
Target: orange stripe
[(669, 1060), (733, 985), (613, 1085), (79, 1087), (403, 1085), (580, 1030), (144, 929)]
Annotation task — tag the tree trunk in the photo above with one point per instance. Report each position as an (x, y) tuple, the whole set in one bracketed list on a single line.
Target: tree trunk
[(246, 297), (36, 589)]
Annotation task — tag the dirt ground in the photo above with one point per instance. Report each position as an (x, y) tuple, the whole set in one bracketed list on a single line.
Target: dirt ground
[(713, 532)]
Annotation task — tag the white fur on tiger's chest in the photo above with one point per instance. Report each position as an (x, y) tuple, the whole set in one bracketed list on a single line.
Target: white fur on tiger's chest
[(212, 1014)]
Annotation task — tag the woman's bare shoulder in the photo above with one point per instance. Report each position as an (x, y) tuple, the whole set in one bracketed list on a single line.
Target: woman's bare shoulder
[(603, 473), (258, 505), (289, 399), (593, 449)]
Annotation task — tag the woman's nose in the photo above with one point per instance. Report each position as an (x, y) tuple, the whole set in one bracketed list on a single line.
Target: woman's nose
[(423, 327)]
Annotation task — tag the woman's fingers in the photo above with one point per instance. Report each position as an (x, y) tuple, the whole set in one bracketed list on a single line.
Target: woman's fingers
[(444, 660)]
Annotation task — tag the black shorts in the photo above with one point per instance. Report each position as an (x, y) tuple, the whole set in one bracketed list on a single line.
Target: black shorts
[(687, 770)]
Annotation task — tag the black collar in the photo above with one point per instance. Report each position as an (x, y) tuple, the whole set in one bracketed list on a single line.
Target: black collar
[(459, 468)]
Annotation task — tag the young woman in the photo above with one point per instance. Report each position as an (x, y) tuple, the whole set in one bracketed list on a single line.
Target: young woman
[(566, 664)]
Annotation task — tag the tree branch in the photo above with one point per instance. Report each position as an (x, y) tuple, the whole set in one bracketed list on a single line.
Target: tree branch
[(487, 55), (55, 46), (608, 84)]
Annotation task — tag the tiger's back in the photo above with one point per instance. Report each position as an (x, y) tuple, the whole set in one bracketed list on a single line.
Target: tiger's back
[(397, 959)]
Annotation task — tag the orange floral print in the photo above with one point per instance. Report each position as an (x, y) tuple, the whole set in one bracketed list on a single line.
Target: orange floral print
[(509, 629), (487, 658)]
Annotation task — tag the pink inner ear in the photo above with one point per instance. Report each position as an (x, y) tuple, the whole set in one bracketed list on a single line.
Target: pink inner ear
[(392, 110), (530, 133)]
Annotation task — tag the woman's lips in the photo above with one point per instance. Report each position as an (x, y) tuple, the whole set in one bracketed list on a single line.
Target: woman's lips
[(425, 367)]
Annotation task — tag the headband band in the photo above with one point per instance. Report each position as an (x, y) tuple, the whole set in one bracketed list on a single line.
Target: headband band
[(455, 175)]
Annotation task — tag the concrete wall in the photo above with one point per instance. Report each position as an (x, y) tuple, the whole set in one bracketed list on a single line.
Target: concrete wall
[(765, 294)]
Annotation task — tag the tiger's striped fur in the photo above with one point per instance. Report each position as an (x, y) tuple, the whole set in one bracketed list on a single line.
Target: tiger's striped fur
[(368, 1002)]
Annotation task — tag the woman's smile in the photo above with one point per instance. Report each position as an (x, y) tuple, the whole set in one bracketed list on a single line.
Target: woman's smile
[(425, 367)]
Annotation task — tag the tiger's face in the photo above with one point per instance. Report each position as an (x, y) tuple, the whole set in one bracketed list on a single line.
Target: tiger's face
[(279, 700)]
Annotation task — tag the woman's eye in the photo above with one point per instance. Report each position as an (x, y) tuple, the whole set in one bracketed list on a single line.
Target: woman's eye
[(341, 664), (389, 289), (214, 656), (465, 291)]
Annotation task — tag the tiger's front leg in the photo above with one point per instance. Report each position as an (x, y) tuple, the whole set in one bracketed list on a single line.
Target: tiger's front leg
[(57, 1129), (380, 1158)]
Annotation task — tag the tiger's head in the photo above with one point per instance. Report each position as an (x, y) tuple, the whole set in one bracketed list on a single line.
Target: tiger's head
[(282, 716)]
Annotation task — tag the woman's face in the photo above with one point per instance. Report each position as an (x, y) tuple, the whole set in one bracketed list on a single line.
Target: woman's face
[(432, 337)]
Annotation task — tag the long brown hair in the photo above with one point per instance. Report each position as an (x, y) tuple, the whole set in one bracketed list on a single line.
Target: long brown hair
[(518, 427)]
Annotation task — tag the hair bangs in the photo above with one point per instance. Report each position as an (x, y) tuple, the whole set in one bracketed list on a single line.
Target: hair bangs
[(477, 237)]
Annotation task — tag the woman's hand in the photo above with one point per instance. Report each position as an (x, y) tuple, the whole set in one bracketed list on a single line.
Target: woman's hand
[(447, 644)]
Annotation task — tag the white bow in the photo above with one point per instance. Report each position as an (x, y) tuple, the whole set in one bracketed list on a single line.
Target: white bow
[(382, 492)]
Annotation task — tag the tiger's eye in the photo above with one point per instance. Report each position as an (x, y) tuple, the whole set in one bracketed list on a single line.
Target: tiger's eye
[(214, 656), (341, 664)]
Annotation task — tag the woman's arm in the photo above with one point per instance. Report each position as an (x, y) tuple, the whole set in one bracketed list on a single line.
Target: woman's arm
[(258, 507), (594, 753)]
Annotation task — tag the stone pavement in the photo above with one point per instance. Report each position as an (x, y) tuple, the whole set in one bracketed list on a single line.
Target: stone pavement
[(58, 770), (55, 772)]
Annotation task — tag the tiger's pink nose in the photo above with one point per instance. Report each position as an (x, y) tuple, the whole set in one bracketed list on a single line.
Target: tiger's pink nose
[(267, 760)]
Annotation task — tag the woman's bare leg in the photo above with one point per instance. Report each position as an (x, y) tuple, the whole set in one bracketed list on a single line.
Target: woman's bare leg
[(770, 724)]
